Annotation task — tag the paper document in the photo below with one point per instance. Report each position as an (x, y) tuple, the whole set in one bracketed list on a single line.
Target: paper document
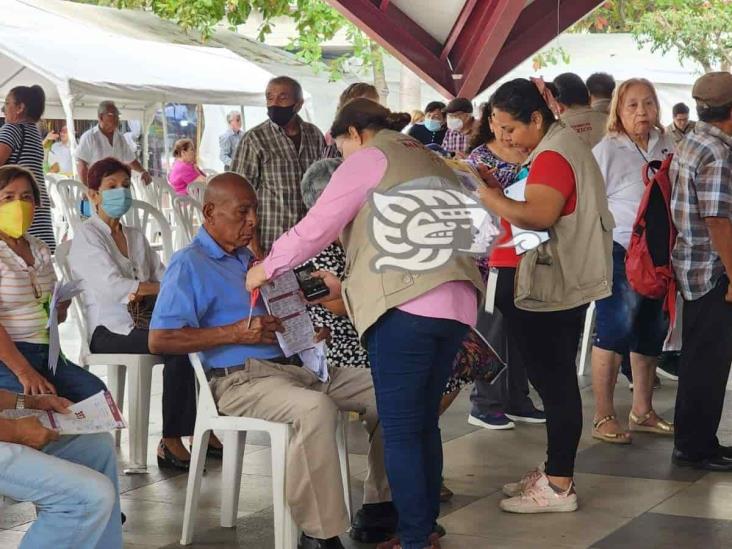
[(97, 414), (523, 239), (314, 359), (283, 299), (61, 293)]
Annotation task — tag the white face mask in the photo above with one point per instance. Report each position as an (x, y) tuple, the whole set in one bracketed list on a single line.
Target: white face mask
[(454, 123)]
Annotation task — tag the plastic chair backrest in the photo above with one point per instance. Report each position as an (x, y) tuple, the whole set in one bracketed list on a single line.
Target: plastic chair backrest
[(160, 194), (152, 223), (71, 193), (196, 190), (188, 216), (62, 262), (205, 397)]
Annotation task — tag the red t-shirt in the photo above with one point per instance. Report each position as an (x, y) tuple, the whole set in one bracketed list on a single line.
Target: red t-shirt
[(548, 168)]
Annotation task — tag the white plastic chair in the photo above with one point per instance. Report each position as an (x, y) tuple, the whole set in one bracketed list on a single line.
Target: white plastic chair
[(196, 191), (153, 225), (188, 218), (159, 194), (235, 428), (137, 367), (70, 194), (586, 345)]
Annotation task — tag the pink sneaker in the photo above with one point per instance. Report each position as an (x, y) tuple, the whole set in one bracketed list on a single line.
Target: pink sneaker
[(541, 498), (513, 489)]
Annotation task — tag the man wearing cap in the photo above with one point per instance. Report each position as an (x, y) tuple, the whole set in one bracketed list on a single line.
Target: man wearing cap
[(460, 124), (701, 206)]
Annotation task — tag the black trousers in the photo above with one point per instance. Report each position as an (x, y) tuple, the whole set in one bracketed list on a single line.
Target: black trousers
[(706, 353), (179, 380), (547, 343)]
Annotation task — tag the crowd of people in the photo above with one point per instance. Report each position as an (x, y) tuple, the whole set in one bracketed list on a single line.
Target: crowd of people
[(401, 342)]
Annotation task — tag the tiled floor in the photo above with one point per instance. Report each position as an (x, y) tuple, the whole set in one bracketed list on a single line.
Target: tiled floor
[(630, 497)]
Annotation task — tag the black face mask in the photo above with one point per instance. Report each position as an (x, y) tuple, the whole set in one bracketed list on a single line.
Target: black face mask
[(281, 115)]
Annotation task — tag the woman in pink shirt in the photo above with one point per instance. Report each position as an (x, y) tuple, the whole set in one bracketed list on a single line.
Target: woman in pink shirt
[(413, 342), (185, 170)]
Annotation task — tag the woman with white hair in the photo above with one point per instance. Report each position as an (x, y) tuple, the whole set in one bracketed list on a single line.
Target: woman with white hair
[(626, 322)]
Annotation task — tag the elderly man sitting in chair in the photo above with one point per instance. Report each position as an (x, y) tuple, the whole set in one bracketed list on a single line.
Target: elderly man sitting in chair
[(203, 306)]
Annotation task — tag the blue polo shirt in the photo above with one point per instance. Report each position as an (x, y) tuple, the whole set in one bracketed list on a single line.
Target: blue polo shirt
[(204, 288)]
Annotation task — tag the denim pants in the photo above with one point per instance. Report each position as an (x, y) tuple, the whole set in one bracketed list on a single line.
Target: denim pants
[(73, 484), (71, 381), (411, 359)]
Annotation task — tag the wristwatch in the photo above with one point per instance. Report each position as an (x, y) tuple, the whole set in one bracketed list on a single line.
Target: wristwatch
[(20, 401)]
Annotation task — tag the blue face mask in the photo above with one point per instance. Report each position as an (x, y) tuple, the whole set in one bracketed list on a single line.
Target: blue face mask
[(116, 202), (432, 125)]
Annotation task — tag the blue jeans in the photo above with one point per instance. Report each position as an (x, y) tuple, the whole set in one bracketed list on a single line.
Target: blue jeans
[(71, 381), (73, 484), (626, 321), (411, 359)]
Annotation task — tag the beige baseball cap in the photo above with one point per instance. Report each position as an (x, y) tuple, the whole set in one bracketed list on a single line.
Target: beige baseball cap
[(714, 89)]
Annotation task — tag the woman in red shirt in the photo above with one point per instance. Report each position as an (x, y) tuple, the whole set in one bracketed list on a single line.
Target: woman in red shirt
[(548, 340)]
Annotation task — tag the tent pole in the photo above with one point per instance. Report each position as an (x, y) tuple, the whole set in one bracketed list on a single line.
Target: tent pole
[(163, 160), (67, 103), (199, 130)]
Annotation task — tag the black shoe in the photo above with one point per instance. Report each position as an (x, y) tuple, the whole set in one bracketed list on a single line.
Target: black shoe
[(374, 523), (722, 462), (123, 517), (169, 460), (216, 453), (439, 529), (668, 365), (306, 542)]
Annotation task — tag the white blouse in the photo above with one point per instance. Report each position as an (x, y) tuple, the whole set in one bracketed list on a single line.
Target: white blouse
[(108, 278), (621, 163), (25, 292)]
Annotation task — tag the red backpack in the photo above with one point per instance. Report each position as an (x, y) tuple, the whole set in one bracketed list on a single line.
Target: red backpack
[(648, 261)]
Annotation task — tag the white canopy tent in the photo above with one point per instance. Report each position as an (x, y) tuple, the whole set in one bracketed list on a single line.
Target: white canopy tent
[(87, 65)]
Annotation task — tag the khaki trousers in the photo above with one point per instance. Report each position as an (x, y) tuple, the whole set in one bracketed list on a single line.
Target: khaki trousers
[(291, 394)]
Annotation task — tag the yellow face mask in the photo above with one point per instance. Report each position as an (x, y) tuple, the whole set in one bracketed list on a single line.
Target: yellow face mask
[(16, 217)]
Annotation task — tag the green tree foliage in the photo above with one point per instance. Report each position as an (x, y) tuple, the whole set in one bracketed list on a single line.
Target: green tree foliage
[(315, 21), (700, 30)]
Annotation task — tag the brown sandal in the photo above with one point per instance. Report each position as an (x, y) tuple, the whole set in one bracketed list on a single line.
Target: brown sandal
[(662, 427), (612, 438)]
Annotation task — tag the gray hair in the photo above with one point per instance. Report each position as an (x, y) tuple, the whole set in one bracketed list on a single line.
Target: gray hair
[(104, 105), (231, 115), (316, 178), (294, 86)]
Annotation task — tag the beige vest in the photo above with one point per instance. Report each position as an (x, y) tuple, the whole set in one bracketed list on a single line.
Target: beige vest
[(574, 266), (589, 124), (369, 293)]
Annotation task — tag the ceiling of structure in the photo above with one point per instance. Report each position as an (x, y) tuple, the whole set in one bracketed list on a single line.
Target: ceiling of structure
[(463, 46)]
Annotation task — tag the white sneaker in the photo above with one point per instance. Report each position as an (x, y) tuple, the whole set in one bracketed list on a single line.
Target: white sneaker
[(541, 498), (513, 489)]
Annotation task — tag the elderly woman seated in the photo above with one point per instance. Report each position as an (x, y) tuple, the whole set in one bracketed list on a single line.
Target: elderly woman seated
[(121, 278), (27, 280), (185, 170)]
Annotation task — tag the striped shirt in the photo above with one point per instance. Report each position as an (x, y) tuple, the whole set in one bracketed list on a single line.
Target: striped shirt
[(701, 173), (23, 315), (268, 159), (26, 148)]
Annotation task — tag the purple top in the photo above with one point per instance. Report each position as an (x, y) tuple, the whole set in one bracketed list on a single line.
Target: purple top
[(342, 199)]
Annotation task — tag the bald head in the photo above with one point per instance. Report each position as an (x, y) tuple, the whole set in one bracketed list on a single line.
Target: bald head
[(225, 187), (230, 211)]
